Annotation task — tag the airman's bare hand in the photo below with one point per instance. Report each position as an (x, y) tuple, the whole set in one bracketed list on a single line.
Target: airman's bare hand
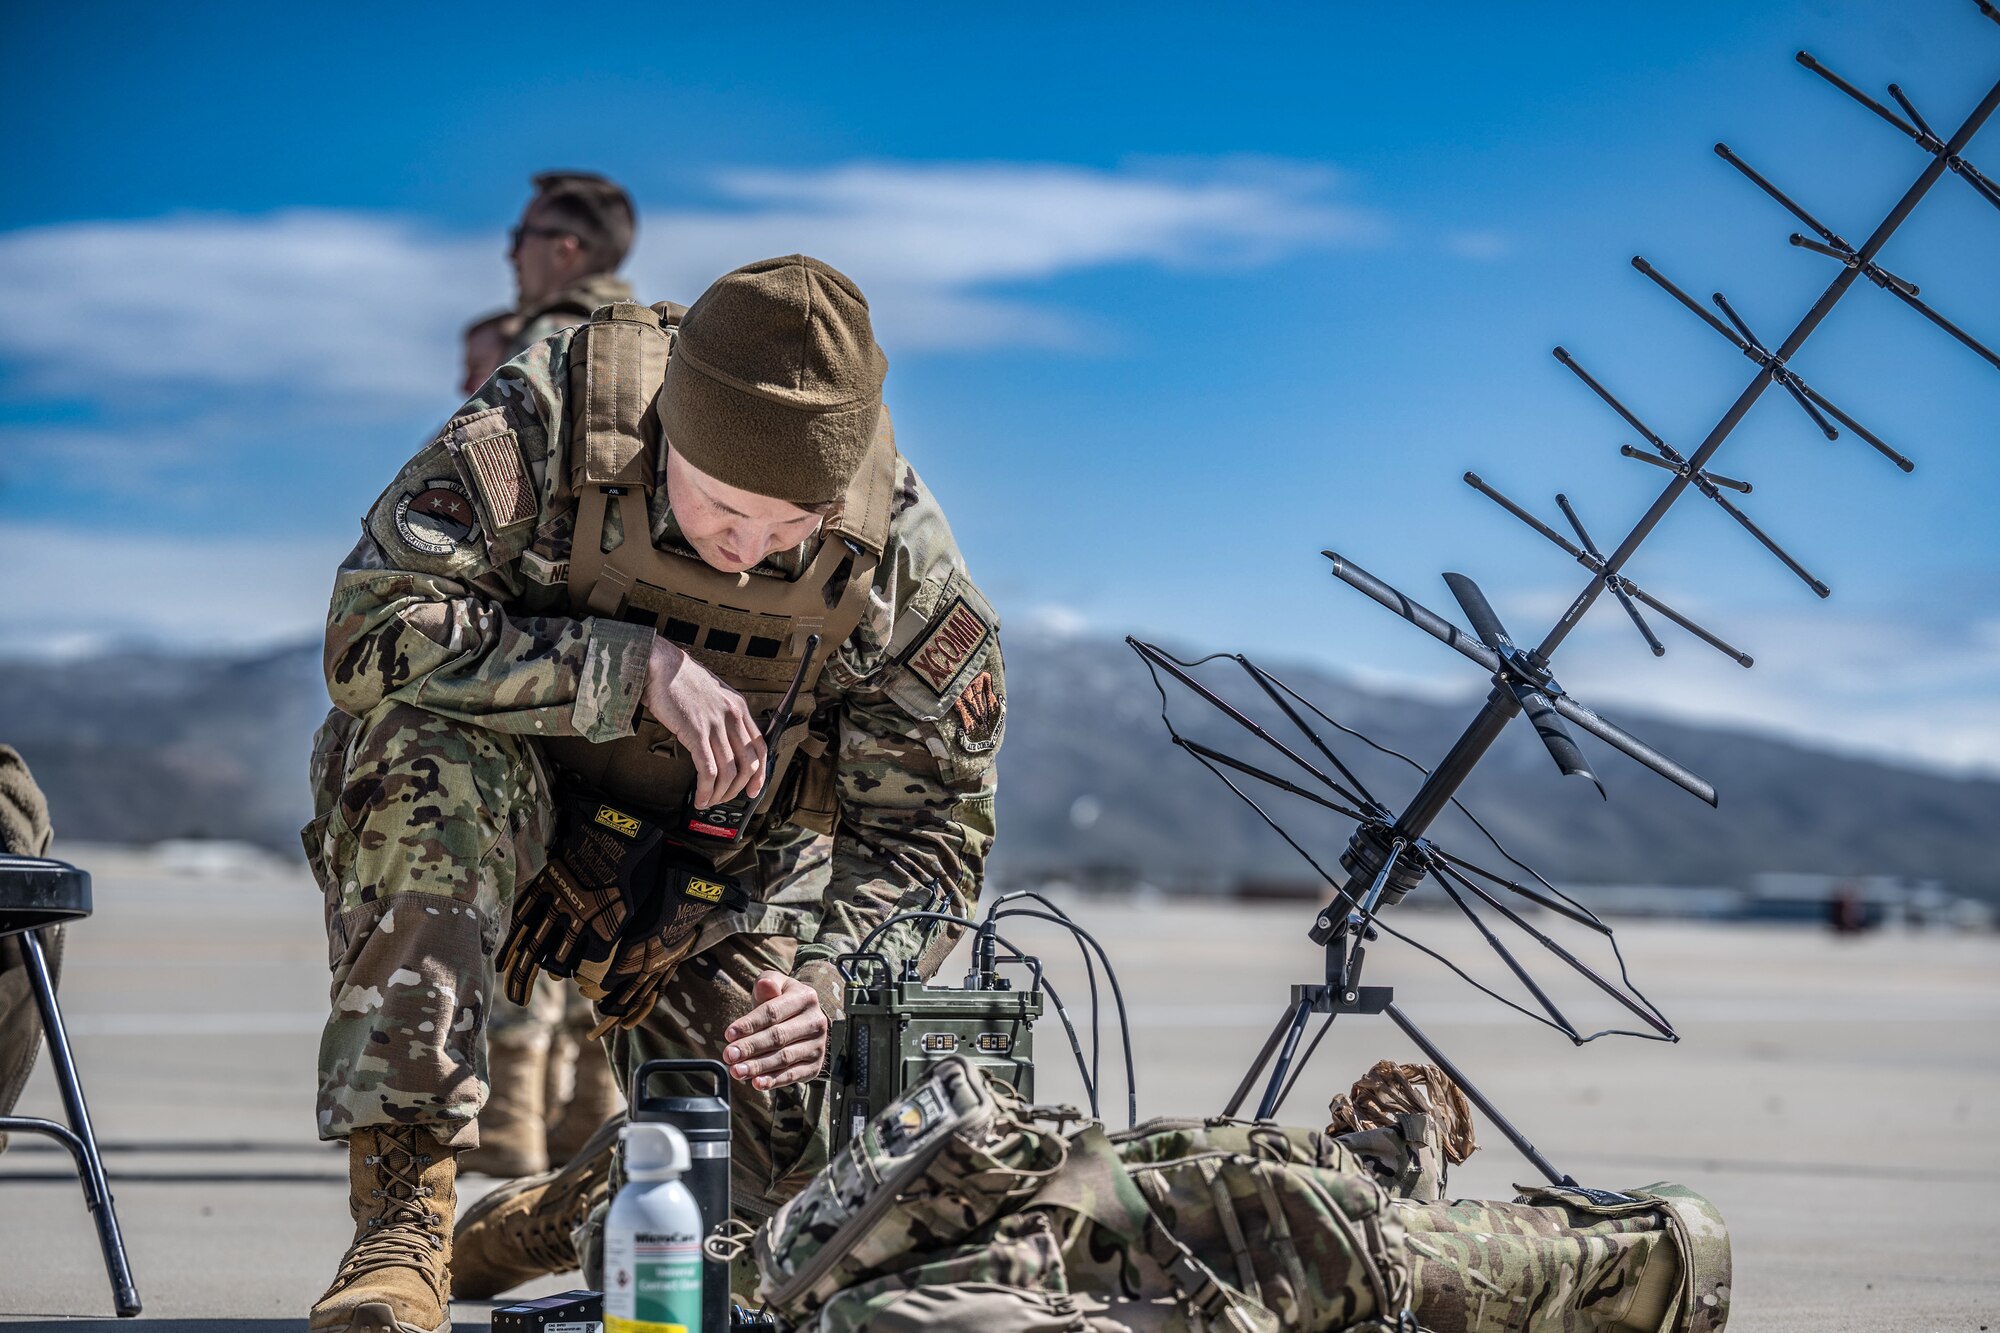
[(782, 1040), (711, 720)]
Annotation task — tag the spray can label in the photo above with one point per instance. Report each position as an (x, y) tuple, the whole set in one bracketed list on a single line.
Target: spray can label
[(652, 1282)]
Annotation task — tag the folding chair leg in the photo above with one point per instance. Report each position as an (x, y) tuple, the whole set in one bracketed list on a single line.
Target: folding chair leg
[(90, 1164)]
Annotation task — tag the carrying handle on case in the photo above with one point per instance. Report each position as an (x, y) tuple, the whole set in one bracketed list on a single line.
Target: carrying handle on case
[(714, 1068)]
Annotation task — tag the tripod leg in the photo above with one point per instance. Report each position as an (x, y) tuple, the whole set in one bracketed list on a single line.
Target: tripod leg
[(1257, 1065), (96, 1190), (1478, 1098), (1269, 1105)]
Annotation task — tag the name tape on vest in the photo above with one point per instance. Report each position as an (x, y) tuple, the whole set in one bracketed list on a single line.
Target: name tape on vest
[(948, 645)]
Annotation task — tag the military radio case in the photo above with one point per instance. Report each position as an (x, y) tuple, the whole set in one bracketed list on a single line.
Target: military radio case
[(897, 1027)]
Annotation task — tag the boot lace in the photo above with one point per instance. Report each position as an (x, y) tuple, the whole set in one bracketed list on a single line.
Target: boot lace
[(403, 1231)]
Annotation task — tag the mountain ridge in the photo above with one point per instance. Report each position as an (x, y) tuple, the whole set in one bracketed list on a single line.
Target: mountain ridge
[(139, 746)]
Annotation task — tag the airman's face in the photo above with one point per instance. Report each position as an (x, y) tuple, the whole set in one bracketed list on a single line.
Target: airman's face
[(544, 256), (731, 529)]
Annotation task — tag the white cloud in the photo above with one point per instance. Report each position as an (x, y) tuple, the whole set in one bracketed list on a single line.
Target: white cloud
[(1480, 245), (1055, 620), (1891, 684), (929, 242), (73, 592), (312, 304), (1877, 684), (331, 305)]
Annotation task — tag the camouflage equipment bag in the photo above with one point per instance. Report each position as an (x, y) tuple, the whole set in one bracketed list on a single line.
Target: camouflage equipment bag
[(1562, 1259), (1406, 1156), (959, 1208), (1196, 1225), (956, 1207), (924, 1175)]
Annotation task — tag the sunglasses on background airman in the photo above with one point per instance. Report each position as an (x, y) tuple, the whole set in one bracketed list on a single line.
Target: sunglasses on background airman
[(516, 234)]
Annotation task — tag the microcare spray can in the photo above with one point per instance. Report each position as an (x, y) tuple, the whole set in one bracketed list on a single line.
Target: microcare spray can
[(652, 1239)]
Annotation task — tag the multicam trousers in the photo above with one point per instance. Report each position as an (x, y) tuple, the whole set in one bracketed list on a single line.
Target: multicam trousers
[(425, 828)]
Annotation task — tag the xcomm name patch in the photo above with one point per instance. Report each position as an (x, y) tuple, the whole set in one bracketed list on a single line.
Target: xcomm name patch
[(948, 644)]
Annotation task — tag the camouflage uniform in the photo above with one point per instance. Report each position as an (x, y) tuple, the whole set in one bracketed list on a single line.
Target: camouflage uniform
[(567, 308), (446, 659), (24, 831)]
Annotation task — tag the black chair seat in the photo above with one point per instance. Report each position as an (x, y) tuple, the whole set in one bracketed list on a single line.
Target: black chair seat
[(37, 892)]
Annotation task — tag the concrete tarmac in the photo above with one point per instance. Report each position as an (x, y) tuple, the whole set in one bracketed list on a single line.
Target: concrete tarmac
[(1839, 1099)]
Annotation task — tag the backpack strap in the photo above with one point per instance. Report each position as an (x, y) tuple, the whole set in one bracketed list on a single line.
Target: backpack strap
[(1214, 1303), (1096, 1185), (616, 365), (1232, 1228)]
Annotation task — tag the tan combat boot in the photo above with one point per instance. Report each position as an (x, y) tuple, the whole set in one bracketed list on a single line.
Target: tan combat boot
[(596, 1099), (526, 1229), (396, 1276), (513, 1125)]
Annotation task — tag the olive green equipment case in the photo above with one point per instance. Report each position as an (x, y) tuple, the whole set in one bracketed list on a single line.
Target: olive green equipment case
[(897, 1028)]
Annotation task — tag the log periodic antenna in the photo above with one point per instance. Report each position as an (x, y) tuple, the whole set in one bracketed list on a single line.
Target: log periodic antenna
[(1388, 853)]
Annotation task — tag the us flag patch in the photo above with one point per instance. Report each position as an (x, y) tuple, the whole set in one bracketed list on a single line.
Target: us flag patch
[(497, 469)]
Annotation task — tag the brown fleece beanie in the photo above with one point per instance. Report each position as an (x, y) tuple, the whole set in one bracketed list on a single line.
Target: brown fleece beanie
[(776, 382)]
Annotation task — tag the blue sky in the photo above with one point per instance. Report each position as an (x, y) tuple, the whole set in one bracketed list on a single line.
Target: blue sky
[(1174, 297)]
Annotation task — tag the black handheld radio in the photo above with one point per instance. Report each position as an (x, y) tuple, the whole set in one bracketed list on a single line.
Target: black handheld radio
[(724, 824)]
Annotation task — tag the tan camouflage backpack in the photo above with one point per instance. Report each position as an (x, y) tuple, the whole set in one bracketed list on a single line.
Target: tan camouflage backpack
[(958, 1208)]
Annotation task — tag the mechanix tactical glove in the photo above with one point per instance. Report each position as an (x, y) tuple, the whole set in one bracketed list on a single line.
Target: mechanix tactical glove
[(618, 908)]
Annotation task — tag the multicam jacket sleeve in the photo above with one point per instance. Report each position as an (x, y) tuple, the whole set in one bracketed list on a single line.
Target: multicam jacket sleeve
[(440, 603), (923, 710)]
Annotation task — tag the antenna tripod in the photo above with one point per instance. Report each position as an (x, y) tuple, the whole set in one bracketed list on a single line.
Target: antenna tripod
[(1343, 993), (1388, 853)]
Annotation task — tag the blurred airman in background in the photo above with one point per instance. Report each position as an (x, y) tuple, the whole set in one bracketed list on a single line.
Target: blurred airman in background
[(487, 343), (566, 250)]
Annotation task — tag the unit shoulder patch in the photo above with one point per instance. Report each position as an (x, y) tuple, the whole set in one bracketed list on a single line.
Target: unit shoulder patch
[(980, 708), (943, 650), (436, 516)]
